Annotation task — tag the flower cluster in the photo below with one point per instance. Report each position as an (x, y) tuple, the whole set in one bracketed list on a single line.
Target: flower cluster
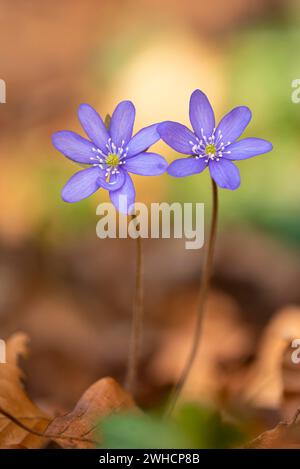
[(112, 153)]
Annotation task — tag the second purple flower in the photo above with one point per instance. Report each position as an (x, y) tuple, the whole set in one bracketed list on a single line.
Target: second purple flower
[(210, 146)]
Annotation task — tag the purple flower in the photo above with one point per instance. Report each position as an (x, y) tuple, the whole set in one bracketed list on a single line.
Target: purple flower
[(215, 147), (110, 154)]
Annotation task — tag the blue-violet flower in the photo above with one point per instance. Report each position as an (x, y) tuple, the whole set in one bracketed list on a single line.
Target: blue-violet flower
[(210, 146), (110, 155)]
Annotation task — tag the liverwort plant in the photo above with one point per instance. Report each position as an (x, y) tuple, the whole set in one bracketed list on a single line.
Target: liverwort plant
[(215, 148), (110, 154)]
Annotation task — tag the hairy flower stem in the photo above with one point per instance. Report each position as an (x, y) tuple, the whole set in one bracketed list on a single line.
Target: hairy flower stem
[(203, 290), (137, 319)]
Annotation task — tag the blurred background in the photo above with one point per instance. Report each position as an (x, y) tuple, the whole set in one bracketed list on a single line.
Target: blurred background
[(72, 292)]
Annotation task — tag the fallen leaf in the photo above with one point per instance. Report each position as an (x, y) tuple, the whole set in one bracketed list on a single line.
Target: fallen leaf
[(24, 425), (79, 428), (264, 386), (290, 400), (283, 436), (14, 401)]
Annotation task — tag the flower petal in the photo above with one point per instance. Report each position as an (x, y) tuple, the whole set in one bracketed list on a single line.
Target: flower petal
[(177, 136), (124, 198), (233, 124), (225, 174), (246, 148), (116, 181), (146, 164), (186, 167), (121, 124), (73, 146), (81, 185), (93, 126), (143, 140), (201, 114)]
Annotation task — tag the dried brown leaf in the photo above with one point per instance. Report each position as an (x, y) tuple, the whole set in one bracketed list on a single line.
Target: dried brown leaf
[(14, 401), (77, 429), (264, 385), (284, 435), (290, 375), (24, 425)]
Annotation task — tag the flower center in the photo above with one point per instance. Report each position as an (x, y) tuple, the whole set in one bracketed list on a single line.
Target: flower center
[(112, 160), (210, 150)]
